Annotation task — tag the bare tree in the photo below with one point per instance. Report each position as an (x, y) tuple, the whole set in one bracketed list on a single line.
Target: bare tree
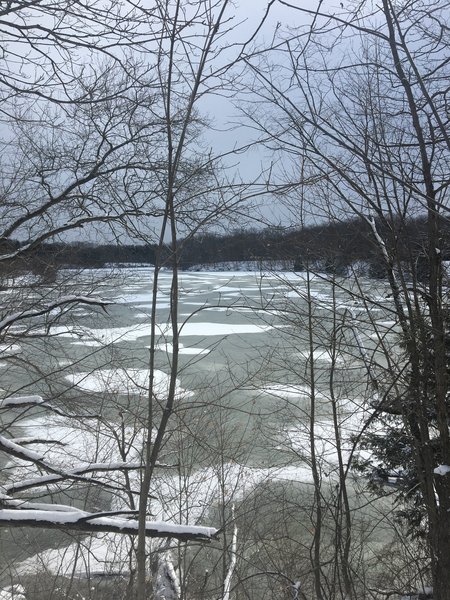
[(359, 96), (110, 141), (81, 147)]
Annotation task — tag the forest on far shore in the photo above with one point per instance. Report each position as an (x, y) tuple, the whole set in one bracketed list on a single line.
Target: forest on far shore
[(331, 247)]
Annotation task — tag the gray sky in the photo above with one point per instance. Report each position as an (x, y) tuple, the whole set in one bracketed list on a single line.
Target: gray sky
[(227, 131), (224, 113)]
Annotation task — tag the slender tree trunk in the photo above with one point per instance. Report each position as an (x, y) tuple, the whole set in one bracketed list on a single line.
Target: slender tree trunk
[(317, 540)]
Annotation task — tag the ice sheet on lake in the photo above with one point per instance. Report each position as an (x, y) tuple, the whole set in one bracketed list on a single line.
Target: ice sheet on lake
[(323, 355), (200, 490), (190, 350), (8, 350), (97, 554), (315, 296), (123, 381), (221, 329), (70, 445), (191, 498), (99, 337), (13, 592), (352, 418), (287, 391)]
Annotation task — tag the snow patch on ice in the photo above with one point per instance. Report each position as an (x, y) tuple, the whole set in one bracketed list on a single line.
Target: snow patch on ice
[(13, 592), (285, 392), (123, 381), (8, 350), (321, 355), (190, 350), (103, 337), (221, 329)]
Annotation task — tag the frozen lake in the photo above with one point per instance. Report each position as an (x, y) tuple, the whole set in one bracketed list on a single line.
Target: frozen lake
[(245, 383)]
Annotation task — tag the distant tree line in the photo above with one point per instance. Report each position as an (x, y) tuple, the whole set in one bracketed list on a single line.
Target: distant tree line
[(46, 259), (334, 247), (331, 247)]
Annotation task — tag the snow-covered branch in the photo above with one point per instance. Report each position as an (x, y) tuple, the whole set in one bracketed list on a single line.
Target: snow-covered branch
[(55, 473), (94, 522), (35, 400), (83, 469), (14, 401), (63, 301)]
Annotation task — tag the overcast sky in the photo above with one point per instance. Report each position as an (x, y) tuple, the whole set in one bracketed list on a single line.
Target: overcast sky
[(223, 113), (227, 132)]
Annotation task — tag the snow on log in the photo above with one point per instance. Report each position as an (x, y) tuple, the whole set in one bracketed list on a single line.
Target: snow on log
[(442, 470), (18, 451), (21, 401), (8, 502), (94, 522)]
